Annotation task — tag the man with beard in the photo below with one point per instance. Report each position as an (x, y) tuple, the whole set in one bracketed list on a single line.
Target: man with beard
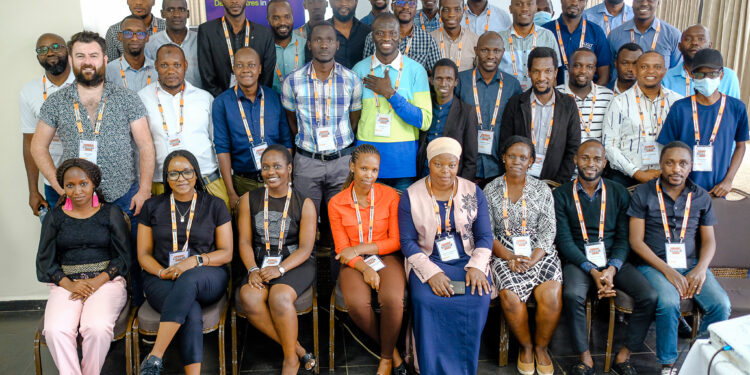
[(290, 47), (625, 62), (142, 10), (481, 16), (176, 13), (378, 6), (547, 117), (592, 100), (316, 12), (52, 55), (633, 121), (428, 19), (609, 14), (592, 239), (219, 40), (456, 41), (350, 32), (133, 70), (678, 79)]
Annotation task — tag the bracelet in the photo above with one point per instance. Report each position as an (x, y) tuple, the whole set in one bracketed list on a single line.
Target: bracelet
[(208, 261), (355, 251), (252, 269), (160, 273)]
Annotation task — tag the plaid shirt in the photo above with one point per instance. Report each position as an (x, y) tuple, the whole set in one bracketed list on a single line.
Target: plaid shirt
[(114, 46), (297, 95), (424, 49)]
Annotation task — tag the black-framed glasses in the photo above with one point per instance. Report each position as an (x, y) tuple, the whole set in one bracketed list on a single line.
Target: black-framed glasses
[(43, 50), (176, 10), (712, 74), (187, 174), (127, 34)]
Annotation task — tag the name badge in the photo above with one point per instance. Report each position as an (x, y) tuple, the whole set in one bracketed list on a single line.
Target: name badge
[(174, 142), (484, 140), (649, 153), (536, 168), (375, 263), (522, 245), (324, 136), (596, 253), (88, 150), (232, 80), (383, 125), (703, 158), (676, 256), (178, 256), (257, 153), (269, 261), (447, 248)]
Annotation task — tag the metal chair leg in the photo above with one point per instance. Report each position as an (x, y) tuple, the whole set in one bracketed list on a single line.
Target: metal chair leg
[(37, 353), (504, 342), (610, 335), (316, 340), (233, 322), (136, 346), (331, 332), (588, 318), (222, 343)]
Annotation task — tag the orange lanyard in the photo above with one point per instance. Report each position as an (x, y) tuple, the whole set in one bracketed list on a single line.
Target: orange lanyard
[(408, 45), (587, 124), (606, 23), (640, 113), (512, 50), (664, 221), (562, 46), (99, 116), (656, 35), (296, 62), (549, 130), (329, 96), (359, 218), (437, 209), (440, 23), (476, 101), (687, 82), (460, 44), (602, 211), (161, 110), (282, 226), (487, 20), (262, 115), (506, 204), (398, 79), (174, 222), (229, 43), (125, 81), (697, 129), (44, 87)]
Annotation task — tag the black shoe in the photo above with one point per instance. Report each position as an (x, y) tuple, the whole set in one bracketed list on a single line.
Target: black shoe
[(624, 368), (581, 369), (152, 365), (400, 370), (683, 329)]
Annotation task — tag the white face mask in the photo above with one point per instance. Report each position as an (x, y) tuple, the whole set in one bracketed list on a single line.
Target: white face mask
[(707, 86)]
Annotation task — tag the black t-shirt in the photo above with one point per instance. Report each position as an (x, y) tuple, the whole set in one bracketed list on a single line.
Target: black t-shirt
[(275, 210)]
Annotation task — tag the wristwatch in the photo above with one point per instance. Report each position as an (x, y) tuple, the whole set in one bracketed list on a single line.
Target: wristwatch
[(282, 270), (200, 260)]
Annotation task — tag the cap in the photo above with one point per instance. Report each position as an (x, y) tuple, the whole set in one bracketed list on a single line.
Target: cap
[(708, 58)]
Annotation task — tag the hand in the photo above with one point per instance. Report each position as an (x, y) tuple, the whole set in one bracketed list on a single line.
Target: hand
[(441, 285), (81, 289), (233, 199), (679, 282), (371, 278), (254, 280), (603, 282), (269, 273), (478, 281), (138, 199), (36, 201), (695, 278), (347, 254), (646, 175), (519, 263), (722, 189), (173, 272), (381, 86)]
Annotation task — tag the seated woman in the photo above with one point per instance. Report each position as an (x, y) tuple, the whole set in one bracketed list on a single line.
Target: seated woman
[(184, 259), (446, 239), (277, 228), (370, 256), (525, 260), (83, 255)]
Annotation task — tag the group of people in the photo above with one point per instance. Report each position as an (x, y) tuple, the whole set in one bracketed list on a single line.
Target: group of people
[(455, 119)]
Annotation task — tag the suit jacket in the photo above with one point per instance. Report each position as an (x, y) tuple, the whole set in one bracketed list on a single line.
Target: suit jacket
[(564, 141), (461, 125)]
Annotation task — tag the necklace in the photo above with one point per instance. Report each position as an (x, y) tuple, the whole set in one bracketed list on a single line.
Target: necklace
[(182, 216)]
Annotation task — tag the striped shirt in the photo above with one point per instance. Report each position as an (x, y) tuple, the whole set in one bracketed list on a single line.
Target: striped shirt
[(430, 25), (603, 97), (522, 46), (422, 48), (114, 45)]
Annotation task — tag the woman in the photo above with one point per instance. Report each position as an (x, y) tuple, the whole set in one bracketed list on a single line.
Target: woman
[(525, 260), (277, 228), (367, 242), (446, 239), (184, 243), (83, 255)]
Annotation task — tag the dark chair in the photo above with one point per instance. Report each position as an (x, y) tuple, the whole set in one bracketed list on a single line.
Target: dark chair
[(731, 262)]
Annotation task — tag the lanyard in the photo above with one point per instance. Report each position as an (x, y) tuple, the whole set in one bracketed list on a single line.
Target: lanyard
[(229, 43), (328, 97), (437, 209), (161, 110), (262, 115), (99, 116), (587, 124), (506, 204), (476, 101), (125, 81), (513, 51), (656, 35), (359, 218), (549, 130), (283, 219), (562, 46), (486, 22), (606, 22), (174, 222), (398, 79), (640, 113), (408, 46), (716, 124), (44, 87), (424, 21), (442, 47), (687, 82), (664, 213), (602, 211), (296, 61)]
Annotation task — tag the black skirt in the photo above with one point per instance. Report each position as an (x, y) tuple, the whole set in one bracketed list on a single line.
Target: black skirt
[(300, 278)]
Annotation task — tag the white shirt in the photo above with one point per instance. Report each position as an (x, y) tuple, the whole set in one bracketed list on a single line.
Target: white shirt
[(395, 64), (197, 129), (30, 101), (603, 98)]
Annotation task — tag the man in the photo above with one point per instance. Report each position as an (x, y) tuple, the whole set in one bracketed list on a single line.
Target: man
[(592, 238), (316, 12), (719, 125), (52, 55), (544, 12), (133, 70), (546, 116), (574, 32), (323, 119), (290, 47), (428, 19), (609, 14), (176, 13), (142, 10), (378, 6), (649, 32), (350, 32), (490, 89), (521, 38), (451, 117), (396, 103), (671, 230), (413, 42), (678, 79), (481, 16), (591, 99), (179, 117), (247, 119), (634, 119), (625, 62), (455, 40), (219, 40)]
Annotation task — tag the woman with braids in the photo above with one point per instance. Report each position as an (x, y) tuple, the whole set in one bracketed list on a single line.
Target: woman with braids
[(277, 228), (184, 244), (83, 255), (364, 222)]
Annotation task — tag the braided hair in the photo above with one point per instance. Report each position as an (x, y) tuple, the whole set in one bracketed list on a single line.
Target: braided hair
[(360, 150), (91, 170)]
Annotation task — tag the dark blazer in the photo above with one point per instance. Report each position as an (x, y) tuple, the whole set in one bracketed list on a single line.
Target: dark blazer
[(461, 125), (564, 141)]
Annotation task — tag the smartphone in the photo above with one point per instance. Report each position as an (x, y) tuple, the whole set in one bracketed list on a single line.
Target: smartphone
[(459, 287)]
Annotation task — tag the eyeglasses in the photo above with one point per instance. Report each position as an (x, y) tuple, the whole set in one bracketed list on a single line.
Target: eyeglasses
[(713, 74), (187, 174), (176, 10), (43, 50), (402, 3), (127, 34)]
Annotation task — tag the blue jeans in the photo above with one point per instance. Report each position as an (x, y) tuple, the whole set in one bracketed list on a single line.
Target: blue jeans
[(135, 268), (400, 183), (713, 300), (51, 196)]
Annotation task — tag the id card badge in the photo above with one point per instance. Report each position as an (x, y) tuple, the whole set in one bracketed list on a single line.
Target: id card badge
[(232, 80), (522, 245), (676, 256), (269, 261), (536, 168), (257, 153), (375, 263), (88, 150), (324, 136), (178, 256), (383, 125), (649, 153), (484, 140), (703, 158), (595, 253), (447, 248), (174, 142)]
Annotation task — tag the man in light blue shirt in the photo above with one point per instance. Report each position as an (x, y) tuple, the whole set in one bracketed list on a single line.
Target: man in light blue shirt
[(176, 13), (290, 47), (649, 32), (133, 70), (609, 15), (483, 16)]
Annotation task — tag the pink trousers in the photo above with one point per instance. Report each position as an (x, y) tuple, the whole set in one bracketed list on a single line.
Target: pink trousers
[(94, 319)]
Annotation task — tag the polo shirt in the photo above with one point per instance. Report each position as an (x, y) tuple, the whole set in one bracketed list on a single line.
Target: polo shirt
[(491, 18), (666, 44), (135, 79), (288, 59), (521, 47), (422, 48), (676, 77), (429, 25), (461, 50), (599, 15), (189, 46), (114, 45), (603, 97), (593, 39)]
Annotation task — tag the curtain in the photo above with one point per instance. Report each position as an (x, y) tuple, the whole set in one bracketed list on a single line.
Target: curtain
[(197, 12)]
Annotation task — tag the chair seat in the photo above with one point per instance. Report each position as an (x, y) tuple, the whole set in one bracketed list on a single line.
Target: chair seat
[(303, 304), (340, 301), (738, 291), (121, 325), (148, 318), (625, 302)]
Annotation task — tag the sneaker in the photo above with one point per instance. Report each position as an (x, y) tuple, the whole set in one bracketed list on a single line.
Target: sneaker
[(668, 370), (581, 369), (624, 368), (152, 365)]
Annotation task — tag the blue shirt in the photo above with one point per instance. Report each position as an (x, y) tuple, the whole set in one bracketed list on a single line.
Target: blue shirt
[(597, 13), (675, 81), (429, 25), (439, 115), (368, 19), (595, 40), (666, 45), (734, 128), (229, 131)]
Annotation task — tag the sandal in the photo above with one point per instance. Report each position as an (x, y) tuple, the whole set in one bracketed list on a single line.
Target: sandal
[(309, 360), (400, 370)]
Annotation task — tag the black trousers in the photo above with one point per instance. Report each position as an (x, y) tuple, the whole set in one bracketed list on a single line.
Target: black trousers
[(576, 285)]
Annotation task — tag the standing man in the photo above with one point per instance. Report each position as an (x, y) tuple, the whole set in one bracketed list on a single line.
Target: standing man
[(176, 13), (609, 14), (428, 19), (378, 6), (625, 62), (487, 90), (455, 41), (481, 17), (350, 32), (633, 121), (591, 99), (544, 12), (719, 125), (219, 40), (547, 117), (142, 10), (396, 104), (132, 70), (316, 13), (52, 55), (290, 47), (574, 32)]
